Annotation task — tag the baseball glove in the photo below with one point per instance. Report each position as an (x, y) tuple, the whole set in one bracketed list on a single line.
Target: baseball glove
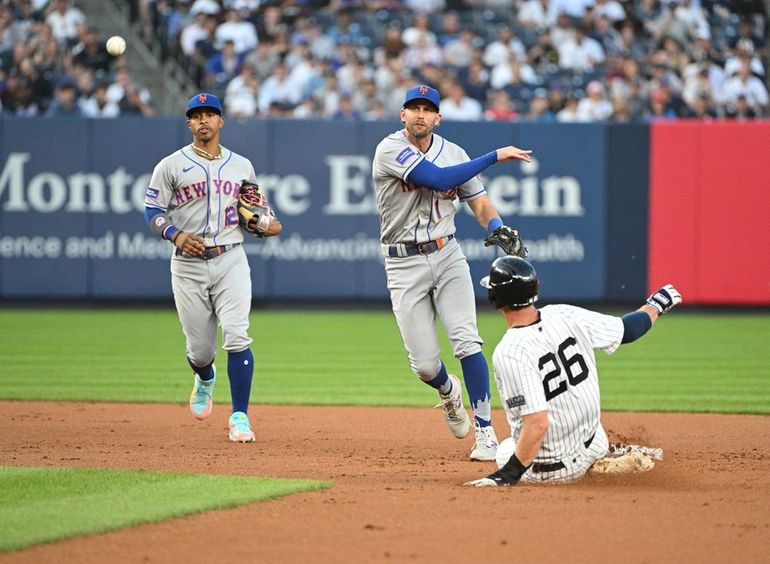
[(255, 213), (507, 238)]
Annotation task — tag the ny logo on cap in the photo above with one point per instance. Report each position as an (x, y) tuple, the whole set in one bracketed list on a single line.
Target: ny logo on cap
[(423, 90), (202, 98)]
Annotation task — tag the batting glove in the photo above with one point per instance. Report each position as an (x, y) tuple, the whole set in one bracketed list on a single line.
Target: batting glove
[(664, 299), (490, 481)]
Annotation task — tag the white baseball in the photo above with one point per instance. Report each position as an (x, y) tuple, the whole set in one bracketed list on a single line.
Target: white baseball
[(116, 45)]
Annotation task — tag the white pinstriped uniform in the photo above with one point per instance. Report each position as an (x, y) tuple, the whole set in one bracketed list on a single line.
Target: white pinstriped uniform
[(550, 366)]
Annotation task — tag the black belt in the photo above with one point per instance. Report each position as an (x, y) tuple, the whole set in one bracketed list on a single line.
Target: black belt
[(209, 252), (411, 249), (538, 467)]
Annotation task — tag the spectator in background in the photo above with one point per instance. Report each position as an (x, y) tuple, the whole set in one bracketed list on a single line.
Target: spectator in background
[(91, 53), (391, 46), (345, 30), (65, 21), (346, 110), (243, 34), (423, 52), (65, 103), (744, 54), (512, 73), (425, 6), (540, 108), (610, 9), (16, 97), (594, 107), (98, 105), (475, 79), (746, 37), (135, 104), (501, 107), (569, 113), (450, 29), (621, 112), (200, 29), (242, 93), (701, 108), (747, 85), (458, 53), (223, 66), (659, 107), (740, 110), (497, 52), (124, 80), (459, 107), (420, 28), (533, 14), (582, 53), (278, 89)]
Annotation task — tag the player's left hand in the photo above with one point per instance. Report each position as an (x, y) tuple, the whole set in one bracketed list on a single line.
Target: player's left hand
[(664, 299), (507, 238), (255, 214)]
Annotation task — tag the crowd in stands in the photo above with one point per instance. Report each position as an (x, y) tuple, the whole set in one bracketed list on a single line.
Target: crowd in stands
[(504, 60), (52, 63)]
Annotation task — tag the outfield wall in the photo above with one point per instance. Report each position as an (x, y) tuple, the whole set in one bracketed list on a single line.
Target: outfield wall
[(72, 191)]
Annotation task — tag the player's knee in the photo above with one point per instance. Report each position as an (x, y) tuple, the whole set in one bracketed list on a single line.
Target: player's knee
[(236, 342), (426, 369), (200, 358), (466, 348)]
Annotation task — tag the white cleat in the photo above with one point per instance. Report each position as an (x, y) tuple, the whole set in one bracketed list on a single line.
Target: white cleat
[(456, 417), (485, 447)]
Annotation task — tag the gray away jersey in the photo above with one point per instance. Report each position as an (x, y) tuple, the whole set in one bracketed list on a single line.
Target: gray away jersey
[(409, 213), (550, 366), (200, 195)]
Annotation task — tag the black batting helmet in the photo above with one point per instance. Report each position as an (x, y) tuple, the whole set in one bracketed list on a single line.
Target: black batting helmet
[(512, 282)]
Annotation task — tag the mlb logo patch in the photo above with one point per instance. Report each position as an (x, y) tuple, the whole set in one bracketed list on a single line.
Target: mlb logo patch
[(515, 401), (404, 155), (152, 193)]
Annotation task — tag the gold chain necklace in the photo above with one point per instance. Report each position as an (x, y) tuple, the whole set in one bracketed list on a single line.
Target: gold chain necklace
[(200, 152)]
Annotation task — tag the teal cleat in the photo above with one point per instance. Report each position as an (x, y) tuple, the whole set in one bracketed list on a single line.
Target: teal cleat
[(240, 428), (201, 398)]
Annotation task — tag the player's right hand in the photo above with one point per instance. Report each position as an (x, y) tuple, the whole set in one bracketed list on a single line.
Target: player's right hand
[(190, 243), (510, 153), (481, 483), (664, 299)]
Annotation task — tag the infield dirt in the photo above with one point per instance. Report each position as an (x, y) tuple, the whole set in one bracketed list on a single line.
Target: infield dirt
[(397, 493)]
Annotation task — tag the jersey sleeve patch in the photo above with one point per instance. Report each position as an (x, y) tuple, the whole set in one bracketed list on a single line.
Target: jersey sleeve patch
[(404, 155), (152, 193), (516, 401)]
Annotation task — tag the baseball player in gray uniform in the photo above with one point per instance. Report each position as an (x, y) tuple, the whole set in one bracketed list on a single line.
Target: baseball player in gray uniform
[(418, 178), (192, 202), (545, 370)]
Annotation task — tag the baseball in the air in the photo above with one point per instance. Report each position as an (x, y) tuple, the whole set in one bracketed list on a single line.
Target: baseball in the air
[(116, 45)]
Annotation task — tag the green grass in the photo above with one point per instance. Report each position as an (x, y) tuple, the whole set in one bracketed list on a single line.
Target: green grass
[(39, 505), (688, 362)]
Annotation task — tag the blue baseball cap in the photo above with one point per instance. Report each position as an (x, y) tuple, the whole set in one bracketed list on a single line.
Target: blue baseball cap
[(423, 92), (203, 100)]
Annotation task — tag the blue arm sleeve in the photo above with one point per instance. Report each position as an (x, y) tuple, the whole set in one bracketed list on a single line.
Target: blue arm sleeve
[(149, 213), (635, 325), (442, 179)]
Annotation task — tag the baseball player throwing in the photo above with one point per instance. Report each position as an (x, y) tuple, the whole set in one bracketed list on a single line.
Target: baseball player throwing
[(192, 202), (545, 371), (417, 176)]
